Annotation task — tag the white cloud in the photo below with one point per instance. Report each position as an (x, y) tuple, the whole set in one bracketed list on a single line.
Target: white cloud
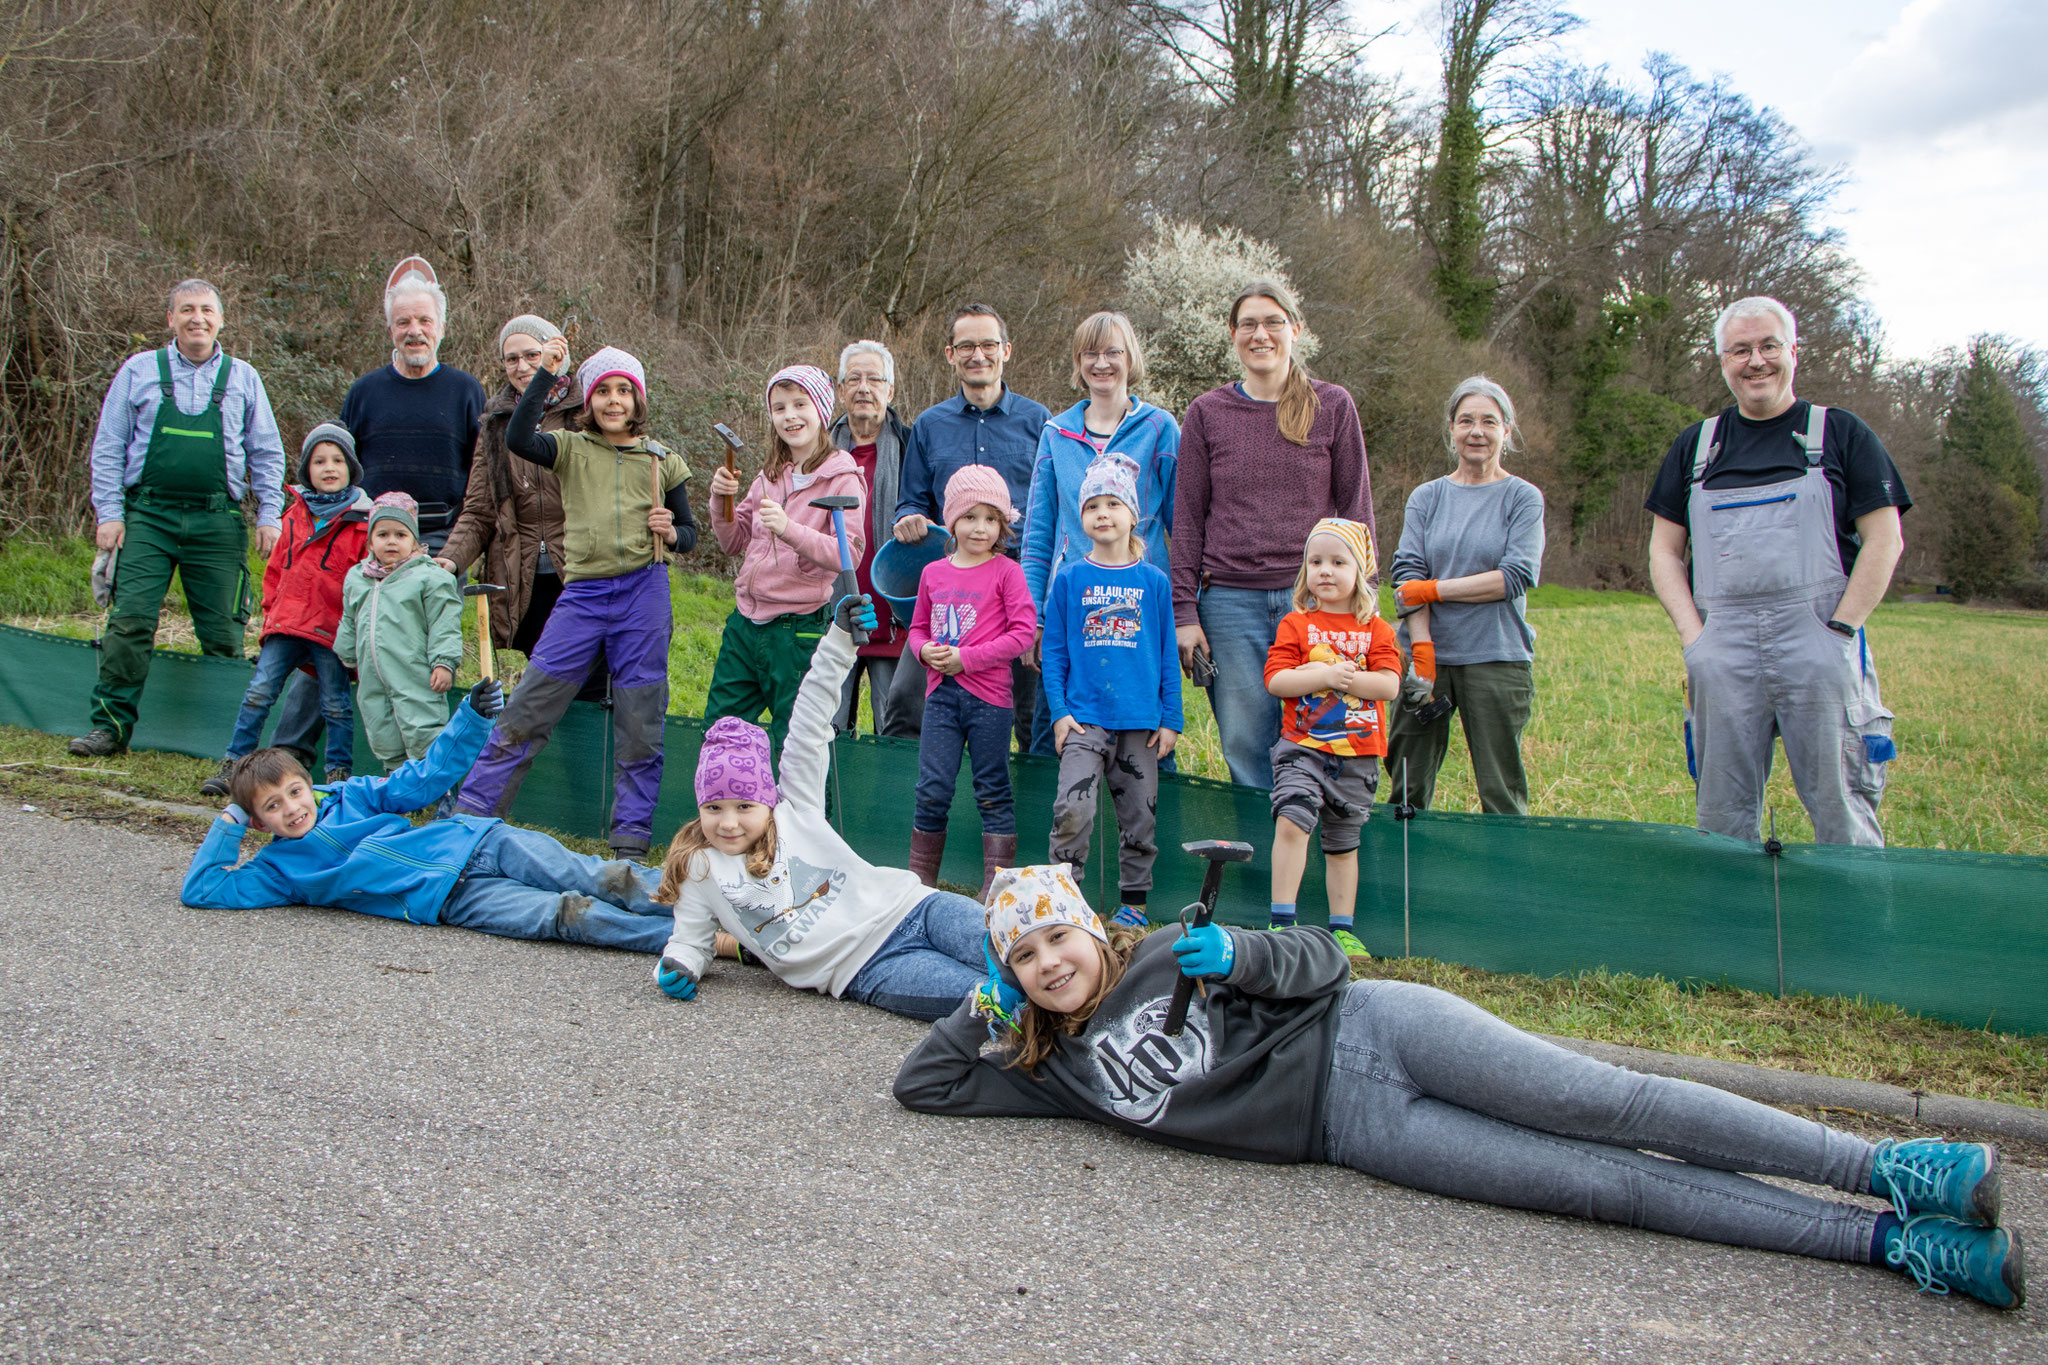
[(1944, 66)]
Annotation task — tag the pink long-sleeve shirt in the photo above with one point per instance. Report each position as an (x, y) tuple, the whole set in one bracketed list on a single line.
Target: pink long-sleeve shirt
[(985, 612), (790, 574)]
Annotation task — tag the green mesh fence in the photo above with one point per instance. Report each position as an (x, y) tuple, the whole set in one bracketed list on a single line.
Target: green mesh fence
[(1961, 936)]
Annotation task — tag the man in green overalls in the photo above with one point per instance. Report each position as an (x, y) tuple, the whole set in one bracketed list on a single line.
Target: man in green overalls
[(185, 433)]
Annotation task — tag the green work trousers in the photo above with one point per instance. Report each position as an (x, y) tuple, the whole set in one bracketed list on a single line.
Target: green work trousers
[(760, 667), (210, 551), (1493, 706)]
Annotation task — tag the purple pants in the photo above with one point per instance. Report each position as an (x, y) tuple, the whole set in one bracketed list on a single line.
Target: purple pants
[(629, 620)]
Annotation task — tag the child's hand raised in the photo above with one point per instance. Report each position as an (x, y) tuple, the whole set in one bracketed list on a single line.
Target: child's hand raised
[(773, 517), (441, 679), (724, 483), (554, 354)]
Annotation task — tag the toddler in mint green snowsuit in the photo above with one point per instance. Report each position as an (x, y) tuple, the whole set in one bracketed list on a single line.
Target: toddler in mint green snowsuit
[(401, 630)]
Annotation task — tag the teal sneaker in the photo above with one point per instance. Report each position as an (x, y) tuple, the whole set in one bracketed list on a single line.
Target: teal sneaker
[(1988, 1264), (1348, 941), (1958, 1180)]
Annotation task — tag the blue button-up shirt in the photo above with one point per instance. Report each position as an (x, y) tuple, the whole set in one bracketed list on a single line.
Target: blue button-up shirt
[(950, 435), (255, 451)]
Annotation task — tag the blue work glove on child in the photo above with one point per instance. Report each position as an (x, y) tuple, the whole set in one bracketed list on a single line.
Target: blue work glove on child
[(673, 980), (849, 613), (487, 698), (1002, 987), (1206, 951)]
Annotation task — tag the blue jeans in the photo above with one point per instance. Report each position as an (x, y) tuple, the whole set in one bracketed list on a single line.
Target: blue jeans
[(928, 963), (278, 661), (299, 722), (1240, 624), (521, 884), (955, 720)]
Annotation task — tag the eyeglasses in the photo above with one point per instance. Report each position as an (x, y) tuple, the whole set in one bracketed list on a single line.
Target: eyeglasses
[(1249, 327), (864, 381), (970, 347), (526, 357), (1763, 350), (1114, 354)]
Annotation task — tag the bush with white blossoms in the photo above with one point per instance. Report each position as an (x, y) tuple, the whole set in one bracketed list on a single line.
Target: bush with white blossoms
[(1178, 291)]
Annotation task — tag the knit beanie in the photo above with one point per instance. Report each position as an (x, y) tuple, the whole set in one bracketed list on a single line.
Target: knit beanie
[(1022, 900), (733, 764), (527, 325), (1112, 475), (603, 365), (398, 507), (971, 485), (336, 434), (1357, 538), (812, 381)]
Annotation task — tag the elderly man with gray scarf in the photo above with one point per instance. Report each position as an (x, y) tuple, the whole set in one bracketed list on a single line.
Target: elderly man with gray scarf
[(874, 435)]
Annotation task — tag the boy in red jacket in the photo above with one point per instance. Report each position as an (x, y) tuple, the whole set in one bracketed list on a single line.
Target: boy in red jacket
[(326, 530)]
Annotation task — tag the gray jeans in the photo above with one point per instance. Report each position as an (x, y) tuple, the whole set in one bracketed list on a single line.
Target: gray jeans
[(1124, 761), (1432, 1092)]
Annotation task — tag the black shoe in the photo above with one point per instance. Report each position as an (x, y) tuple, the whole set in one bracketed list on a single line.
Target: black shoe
[(217, 785), (97, 744), (630, 849)]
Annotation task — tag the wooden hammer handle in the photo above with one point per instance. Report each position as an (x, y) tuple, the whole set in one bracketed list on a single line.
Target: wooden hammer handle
[(660, 547)]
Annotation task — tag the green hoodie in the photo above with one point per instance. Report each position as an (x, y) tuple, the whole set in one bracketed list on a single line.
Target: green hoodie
[(397, 629)]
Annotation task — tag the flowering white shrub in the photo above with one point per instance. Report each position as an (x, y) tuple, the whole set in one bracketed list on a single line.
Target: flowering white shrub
[(1179, 291)]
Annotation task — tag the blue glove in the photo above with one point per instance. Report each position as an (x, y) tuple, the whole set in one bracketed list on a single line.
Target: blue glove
[(487, 698), (673, 980), (1002, 984), (849, 613), (1206, 951)]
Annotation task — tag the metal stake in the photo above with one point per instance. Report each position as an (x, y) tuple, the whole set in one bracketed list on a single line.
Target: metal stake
[(1407, 950), (1774, 848)]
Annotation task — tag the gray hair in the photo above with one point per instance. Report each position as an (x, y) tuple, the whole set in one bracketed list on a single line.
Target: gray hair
[(865, 347), (412, 282), (1479, 386), (195, 285), (1756, 306)]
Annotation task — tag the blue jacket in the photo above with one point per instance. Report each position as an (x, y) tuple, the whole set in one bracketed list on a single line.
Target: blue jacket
[(362, 854), (1110, 655), (1052, 524)]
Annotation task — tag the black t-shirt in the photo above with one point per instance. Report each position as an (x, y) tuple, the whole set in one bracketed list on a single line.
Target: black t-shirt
[(1858, 467)]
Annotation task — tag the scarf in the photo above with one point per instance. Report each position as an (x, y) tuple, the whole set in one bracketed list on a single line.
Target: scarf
[(325, 506), (373, 568)]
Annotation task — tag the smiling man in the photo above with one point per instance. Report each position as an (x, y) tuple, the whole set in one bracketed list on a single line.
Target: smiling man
[(1791, 513), (185, 433)]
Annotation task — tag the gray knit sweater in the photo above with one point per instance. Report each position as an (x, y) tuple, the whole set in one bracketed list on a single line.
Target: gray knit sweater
[(1454, 530)]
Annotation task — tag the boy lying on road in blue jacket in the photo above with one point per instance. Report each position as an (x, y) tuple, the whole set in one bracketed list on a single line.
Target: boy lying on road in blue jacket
[(350, 846)]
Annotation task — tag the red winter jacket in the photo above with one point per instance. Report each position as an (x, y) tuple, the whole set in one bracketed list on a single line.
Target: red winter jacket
[(302, 583)]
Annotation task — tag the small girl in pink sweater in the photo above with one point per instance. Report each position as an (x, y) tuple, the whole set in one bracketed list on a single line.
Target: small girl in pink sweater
[(790, 556), (973, 616)]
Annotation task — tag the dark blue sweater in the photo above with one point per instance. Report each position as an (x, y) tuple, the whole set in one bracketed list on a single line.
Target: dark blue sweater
[(416, 435)]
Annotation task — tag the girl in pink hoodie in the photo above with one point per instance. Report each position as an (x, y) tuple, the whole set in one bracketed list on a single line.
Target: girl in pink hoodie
[(789, 555)]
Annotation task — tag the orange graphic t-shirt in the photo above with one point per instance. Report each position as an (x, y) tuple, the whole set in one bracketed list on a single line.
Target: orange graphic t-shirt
[(1331, 721)]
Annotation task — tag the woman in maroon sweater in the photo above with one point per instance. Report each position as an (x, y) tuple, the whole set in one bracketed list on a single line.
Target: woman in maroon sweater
[(1261, 462)]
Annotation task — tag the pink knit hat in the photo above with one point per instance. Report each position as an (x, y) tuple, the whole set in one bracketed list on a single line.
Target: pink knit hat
[(733, 765), (603, 365), (812, 381), (972, 484)]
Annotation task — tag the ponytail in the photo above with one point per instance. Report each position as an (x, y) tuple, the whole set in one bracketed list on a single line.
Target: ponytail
[(1299, 404)]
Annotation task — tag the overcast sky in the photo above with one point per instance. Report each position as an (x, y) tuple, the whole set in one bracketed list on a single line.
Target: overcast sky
[(1937, 108)]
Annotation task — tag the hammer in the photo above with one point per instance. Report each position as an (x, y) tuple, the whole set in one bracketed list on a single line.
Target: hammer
[(848, 585), (483, 592), (733, 446), (1218, 852)]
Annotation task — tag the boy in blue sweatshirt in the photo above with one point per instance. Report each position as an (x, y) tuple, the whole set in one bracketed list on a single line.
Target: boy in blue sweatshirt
[(1112, 683), (350, 845)]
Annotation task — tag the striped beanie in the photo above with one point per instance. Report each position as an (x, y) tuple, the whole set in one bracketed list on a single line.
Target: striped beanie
[(1357, 538), (812, 381)]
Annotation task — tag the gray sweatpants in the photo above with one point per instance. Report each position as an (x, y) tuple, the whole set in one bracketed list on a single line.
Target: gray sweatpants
[(1432, 1092), (1122, 758)]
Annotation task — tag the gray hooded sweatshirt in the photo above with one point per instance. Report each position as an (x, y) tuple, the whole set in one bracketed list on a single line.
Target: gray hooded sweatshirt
[(1246, 1078)]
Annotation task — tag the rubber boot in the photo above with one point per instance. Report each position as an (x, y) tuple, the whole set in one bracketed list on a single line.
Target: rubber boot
[(927, 851), (997, 850)]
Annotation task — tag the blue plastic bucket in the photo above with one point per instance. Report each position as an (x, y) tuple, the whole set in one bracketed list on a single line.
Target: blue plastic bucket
[(897, 568)]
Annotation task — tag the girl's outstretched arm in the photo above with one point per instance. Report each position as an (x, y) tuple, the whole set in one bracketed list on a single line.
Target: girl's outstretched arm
[(948, 1075), (523, 436), (1287, 964), (696, 930), (807, 752)]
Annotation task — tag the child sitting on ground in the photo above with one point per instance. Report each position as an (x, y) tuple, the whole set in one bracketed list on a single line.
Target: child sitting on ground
[(1333, 664), (326, 526), (1284, 1058), (401, 630), (1112, 683), (765, 862), (475, 872)]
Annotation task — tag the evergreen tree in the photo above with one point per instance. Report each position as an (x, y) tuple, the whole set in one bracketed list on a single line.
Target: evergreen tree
[(1989, 483)]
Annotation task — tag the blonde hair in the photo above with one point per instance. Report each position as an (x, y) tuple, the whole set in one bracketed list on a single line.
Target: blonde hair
[(780, 456), (1039, 1031), (679, 865), (1098, 329), (1299, 404), (1365, 595)]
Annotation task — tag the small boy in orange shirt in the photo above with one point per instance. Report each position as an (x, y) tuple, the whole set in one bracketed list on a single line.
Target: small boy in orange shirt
[(1333, 663)]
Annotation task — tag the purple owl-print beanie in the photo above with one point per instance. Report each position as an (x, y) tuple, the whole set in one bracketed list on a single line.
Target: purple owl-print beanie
[(734, 766)]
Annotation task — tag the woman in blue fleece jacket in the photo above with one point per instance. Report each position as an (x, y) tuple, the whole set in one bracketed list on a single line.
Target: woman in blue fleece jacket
[(351, 846)]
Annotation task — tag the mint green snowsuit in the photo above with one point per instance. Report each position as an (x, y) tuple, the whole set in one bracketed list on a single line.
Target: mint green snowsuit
[(395, 631)]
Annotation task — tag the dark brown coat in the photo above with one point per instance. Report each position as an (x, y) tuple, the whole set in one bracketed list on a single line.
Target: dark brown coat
[(510, 508)]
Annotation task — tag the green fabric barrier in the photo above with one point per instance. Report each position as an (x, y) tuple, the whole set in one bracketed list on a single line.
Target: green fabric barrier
[(1960, 936)]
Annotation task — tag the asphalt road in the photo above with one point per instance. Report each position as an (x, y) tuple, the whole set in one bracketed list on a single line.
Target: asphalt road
[(307, 1135)]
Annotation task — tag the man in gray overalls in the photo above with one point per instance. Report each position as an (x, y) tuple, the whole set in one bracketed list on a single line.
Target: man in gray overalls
[(1791, 512)]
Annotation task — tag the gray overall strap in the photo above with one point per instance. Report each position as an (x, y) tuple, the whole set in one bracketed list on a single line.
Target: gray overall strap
[(1705, 450), (1814, 438)]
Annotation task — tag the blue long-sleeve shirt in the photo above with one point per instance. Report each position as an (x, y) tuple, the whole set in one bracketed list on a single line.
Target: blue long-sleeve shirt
[(950, 435), (1055, 538), (255, 451), (1109, 655)]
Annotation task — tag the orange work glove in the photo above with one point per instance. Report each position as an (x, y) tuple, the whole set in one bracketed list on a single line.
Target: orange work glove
[(1424, 656), (1419, 592)]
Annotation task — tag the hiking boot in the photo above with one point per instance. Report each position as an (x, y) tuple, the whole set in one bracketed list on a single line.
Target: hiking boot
[(217, 785), (997, 850), (627, 848), (927, 851), (338, 774), (97, 744), (1958, 1180), (1988, 1264), (1348, 941)]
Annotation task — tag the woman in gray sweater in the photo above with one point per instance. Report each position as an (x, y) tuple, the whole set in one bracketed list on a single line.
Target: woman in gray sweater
[(1471, 548)]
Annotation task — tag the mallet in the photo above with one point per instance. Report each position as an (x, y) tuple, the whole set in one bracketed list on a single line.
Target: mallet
[(1218, 852), (847, 583), (733, 446), (483, 593)]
